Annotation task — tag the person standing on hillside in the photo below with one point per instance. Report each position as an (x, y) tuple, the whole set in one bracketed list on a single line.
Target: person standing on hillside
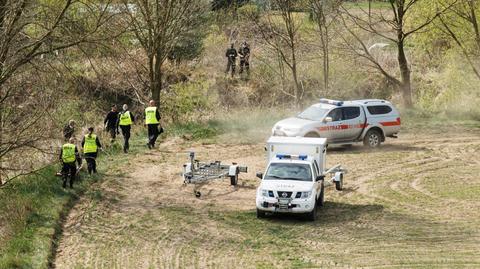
[(110, 122), (244, 52), (68, 130), (125, 121), (152, 120), (231, 55), (68, 156), (90, 145)]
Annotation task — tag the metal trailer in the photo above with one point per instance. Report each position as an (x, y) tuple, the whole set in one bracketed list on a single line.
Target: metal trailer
[(199, 173)]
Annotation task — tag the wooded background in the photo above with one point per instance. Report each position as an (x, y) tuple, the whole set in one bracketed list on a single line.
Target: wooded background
[(62, 60)]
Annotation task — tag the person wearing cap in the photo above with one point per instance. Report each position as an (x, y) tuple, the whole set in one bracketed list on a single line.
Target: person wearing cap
[(69, 156), (90, 145), (69, 130), (125, 121), (152, 120), (110, 122)]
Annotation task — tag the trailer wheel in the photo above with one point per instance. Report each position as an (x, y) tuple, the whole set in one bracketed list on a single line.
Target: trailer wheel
[(234, 179), (260, 214), (339, 184), (372, 139)]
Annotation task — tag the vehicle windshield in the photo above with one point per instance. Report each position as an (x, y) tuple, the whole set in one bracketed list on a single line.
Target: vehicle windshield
[(314, 112), (289, 171)]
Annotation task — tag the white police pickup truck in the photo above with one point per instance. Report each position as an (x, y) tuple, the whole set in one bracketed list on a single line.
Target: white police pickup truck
[(344, 122), (294, 179)]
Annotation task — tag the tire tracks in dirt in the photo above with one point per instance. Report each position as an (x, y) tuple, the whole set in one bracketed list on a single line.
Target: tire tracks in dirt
[(147, 219)]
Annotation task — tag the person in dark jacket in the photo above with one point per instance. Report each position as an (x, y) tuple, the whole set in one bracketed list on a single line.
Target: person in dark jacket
[(69, 130), (152, 120), (91, 145), (125, 121), (231, 55), (111, 122), (244, 52), (69, 156)]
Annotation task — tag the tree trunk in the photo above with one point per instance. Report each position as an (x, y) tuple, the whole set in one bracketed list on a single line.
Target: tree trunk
[(473, 17), (295, 79), (156, 78), (406, 86), (326, 60)]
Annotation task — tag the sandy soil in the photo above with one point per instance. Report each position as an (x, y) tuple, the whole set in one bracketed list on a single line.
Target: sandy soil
[(413, 203)]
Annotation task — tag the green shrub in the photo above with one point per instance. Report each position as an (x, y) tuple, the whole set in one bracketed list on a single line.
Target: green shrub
[(185, 101), (249, 11)]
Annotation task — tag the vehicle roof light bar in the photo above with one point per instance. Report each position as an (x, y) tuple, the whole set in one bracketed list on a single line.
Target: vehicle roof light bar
[(331, 102), (288, 156)]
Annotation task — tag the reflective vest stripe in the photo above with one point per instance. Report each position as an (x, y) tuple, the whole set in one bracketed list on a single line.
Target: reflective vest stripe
[(125, 119), (151, 115), (68, 153), (90, 145)]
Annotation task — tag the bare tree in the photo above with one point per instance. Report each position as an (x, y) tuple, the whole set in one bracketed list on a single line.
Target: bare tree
[(394, 26), (461, 25), (324, 13), (31, 34), (158, 25), (279, 29)]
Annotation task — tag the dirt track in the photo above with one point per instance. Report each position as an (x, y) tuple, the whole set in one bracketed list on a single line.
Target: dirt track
[(414, 203)]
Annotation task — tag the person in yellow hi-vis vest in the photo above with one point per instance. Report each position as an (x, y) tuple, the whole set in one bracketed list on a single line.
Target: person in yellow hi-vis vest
[(125, 121), (68, 156), (152, 120), (91, 145)]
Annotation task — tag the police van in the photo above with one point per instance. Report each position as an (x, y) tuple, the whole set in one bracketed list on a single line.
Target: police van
[(294, 180), (369, 121)]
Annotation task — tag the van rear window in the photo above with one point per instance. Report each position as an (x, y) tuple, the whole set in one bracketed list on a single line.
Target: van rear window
[(378, 110)]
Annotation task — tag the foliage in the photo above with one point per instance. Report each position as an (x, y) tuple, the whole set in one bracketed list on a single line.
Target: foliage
[(249, 11), (32, 208), (452, 91), (185, 101), (189, 46), (225, 4)]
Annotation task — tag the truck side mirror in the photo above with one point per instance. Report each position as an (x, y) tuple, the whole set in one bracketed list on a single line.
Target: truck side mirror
[(260, 175), (320, 178), (328, 119)]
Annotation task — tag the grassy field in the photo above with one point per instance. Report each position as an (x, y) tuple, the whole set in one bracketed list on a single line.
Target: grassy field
[(411, 204), (32, 210)]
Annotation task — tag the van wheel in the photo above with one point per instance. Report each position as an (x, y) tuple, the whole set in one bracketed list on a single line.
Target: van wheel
[(312, 216), (373, 139), (260, 214)]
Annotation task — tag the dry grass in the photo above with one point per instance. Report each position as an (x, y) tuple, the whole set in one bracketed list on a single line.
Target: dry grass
[(412, 204)]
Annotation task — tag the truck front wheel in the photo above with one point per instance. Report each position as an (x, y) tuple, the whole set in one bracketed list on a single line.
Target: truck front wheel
[(372, 139), (312, 215), (321, 199), (260, 214)]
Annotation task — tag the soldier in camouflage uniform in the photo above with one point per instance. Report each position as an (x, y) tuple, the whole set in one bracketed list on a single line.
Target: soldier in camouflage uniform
[(244, 52), (231, 55)]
